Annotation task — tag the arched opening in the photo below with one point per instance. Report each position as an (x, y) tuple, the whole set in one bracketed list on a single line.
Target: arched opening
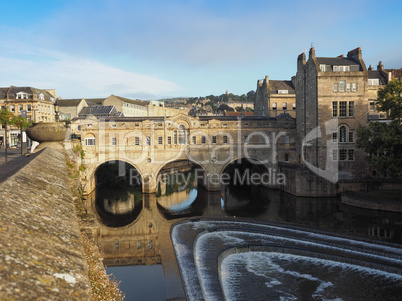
[(118, 193), (242, 182), (178, 185)]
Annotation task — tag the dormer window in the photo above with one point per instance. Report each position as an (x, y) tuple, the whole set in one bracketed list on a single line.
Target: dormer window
[(52, 99), (21, 95), (341, 68), (41, 96), (373, 81), (283, 92), (322, 67)]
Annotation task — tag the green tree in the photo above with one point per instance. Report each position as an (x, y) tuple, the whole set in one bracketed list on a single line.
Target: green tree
[(6, 118), (383, 141), (390, 100)]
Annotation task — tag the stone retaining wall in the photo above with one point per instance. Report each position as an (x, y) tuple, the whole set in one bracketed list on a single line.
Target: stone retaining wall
[(41, 252)]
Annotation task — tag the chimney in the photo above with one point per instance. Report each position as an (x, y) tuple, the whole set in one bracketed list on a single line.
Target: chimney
[(380, 66), (311, 54), (371, 68), (355, 54), (301, 58)]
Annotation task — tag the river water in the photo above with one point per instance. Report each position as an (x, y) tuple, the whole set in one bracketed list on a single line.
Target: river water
[(135, 238)]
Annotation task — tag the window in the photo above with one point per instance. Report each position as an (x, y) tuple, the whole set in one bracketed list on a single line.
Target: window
[(225, 139), (351, 154), (137, 140), (139, 245), (283, 91), (182, 135), (342, 154), (245, 139), (21, 95), (12, 108), (342, 85), (20, 108), (351, 108), (114, 141), (285, 106), (41, 96), (274, 106), (169, 140), (286, 157), (342, 108), (322, 67), (160, 141), (336, 87), (335, 155), (175, 137), (148, 140), (214, 139), (373, 81), (348, 87), (334, 137), (334, 109), (194, 140), (203, 140), (342, 134), (354, 87), (351, 137), (371, 105), (294, 106), (90, 141), (116, 245), (341, 68), (286, 139)]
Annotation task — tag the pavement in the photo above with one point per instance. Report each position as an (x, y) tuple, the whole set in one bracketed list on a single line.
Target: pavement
[(15, 161)]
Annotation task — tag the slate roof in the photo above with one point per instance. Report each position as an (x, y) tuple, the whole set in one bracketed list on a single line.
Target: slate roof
[(377, 74), (276, 85), (337, 61), (136, 102), (99, 111), (95, 101), (68, 102), (11, 92)]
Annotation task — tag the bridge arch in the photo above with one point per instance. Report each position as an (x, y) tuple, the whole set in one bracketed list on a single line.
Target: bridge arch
[(91, 173)]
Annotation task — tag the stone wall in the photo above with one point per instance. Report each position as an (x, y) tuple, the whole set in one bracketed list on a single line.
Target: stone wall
[(41, 252)]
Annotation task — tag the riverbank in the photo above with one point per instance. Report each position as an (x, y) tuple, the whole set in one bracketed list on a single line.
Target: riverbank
[(385, 200)]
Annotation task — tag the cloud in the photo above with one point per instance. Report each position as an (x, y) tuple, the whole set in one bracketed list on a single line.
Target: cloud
[(73, 75)]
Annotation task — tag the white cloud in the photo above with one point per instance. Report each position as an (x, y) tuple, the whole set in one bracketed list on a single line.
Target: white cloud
[(77, 77)]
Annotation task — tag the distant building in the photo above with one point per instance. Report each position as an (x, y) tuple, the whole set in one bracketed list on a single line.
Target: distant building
[(68, 109), (37, 104), (274, 97), (129, 107)]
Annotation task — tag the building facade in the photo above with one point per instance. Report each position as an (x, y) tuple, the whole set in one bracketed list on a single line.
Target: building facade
[(36, 104), (333, 97)]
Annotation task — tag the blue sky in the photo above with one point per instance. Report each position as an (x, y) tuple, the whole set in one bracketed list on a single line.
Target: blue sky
[(154, 49)]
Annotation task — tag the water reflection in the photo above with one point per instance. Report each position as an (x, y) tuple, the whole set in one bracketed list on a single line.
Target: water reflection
[(134, 228), (118, 207)]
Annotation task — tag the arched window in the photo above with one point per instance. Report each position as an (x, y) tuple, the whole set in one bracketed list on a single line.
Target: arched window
[(342, 134), (182, 135)]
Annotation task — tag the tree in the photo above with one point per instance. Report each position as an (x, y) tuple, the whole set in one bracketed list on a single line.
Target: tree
[(390, 100), (6, 118), (383, 141), (251, 96), (225, 107)]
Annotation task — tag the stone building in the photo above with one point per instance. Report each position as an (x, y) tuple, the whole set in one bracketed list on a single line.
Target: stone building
[(333, 96), (274, 97), (69, 108), (37, 104)]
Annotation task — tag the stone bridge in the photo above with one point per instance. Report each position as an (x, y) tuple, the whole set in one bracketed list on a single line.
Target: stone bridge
[(210, 142)]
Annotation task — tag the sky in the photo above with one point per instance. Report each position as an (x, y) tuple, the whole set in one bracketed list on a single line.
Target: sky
[(157, 49)]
